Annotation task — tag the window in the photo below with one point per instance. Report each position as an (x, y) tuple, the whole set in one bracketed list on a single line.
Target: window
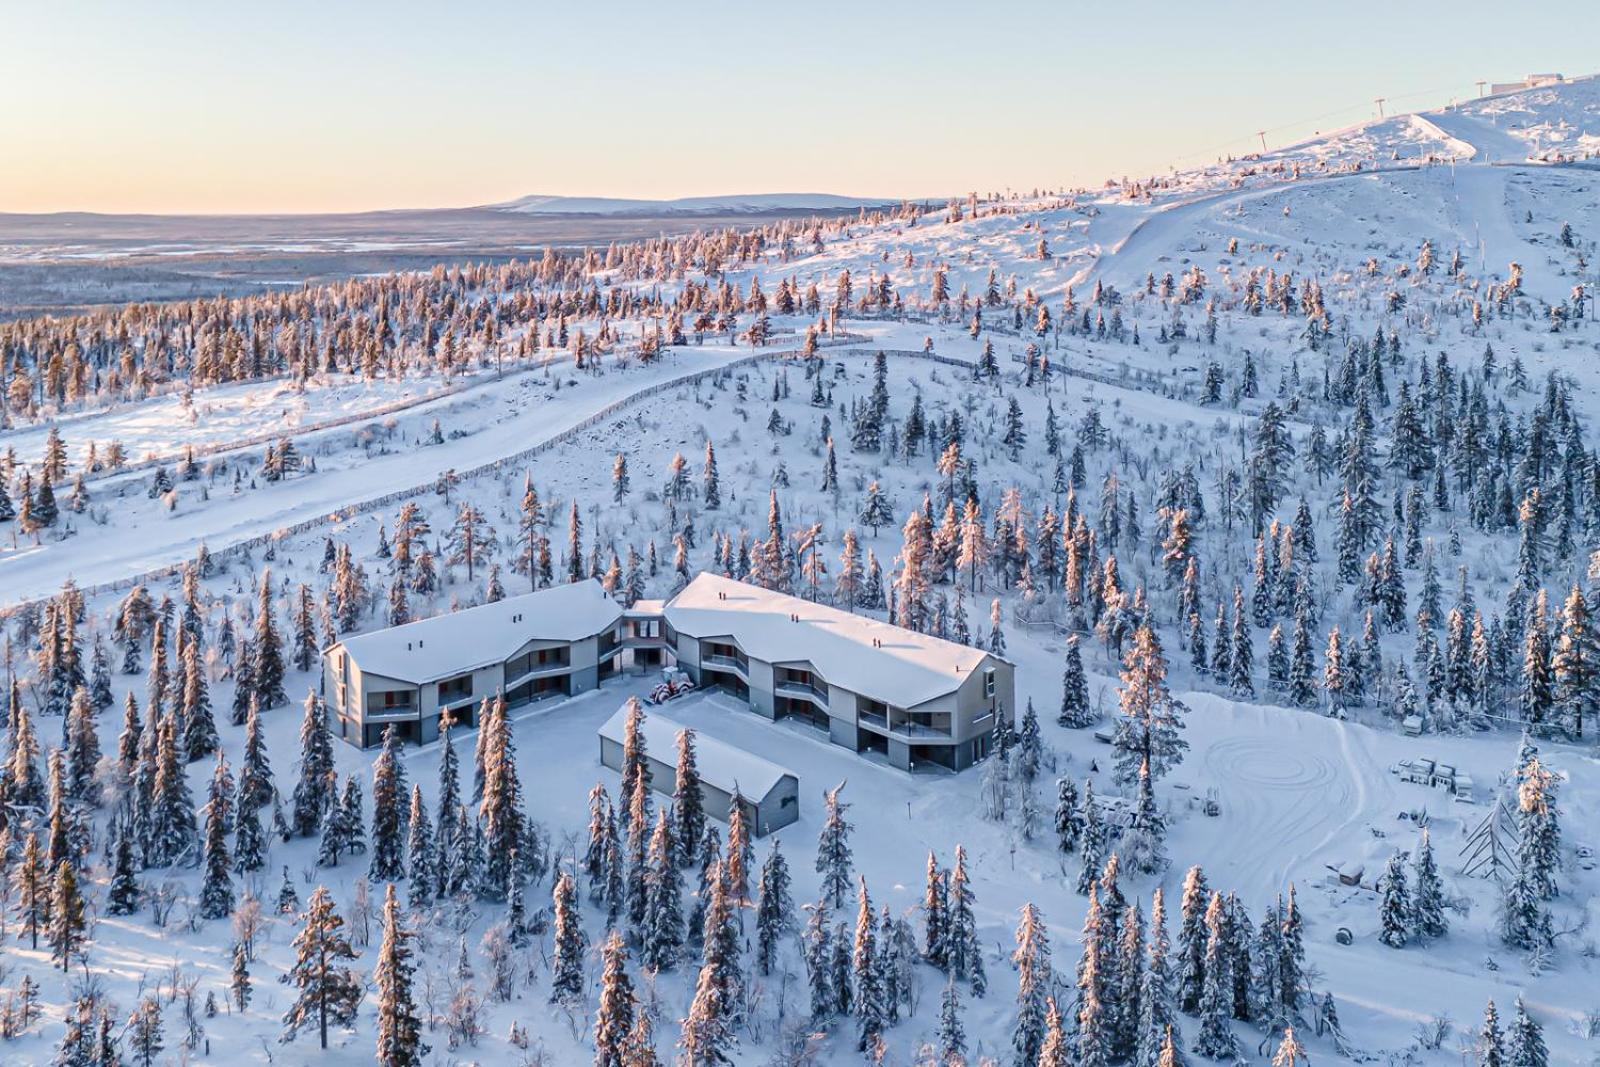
[(988, 683)]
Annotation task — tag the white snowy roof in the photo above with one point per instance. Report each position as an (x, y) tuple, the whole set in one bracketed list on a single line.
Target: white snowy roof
[(903, 668), (461, 641), (720, 764)]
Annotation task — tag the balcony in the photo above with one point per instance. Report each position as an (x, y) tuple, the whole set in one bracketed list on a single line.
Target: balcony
[(538, 670), (802, 691), (731, 664)]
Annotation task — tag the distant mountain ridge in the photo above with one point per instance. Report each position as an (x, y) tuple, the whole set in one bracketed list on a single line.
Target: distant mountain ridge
[(689, 205)]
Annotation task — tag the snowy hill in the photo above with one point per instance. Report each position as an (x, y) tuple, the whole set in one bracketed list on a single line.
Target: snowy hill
[(752, 203)]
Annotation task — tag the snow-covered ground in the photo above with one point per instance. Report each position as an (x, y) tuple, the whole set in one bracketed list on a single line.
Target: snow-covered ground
[(1300, 793)]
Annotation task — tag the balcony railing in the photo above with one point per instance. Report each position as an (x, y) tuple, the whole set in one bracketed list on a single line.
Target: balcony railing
[(802, 691), (539, 670), (726, 663)]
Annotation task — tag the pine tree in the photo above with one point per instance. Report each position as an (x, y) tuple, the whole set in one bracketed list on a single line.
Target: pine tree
[(1151, 719), (614, 1018), (1147, 830), (1075, 710), (83, 750), (1191, 958), (870, 1008), (707, 1037), (834, 860), (773, 908), (420, 847), (122, 895), (173, 833), (1394, 907), (1158, 1008), (239, 982), (1092, 840), (328, 991), (216, 891), (1525, 1045), (1032, 959), (1427, 902), (1491, 1045), (313, 794), (1068, 821), (388, 789), (566, 968), (1215, 1039), (268, 668), (1094, 1026), (1290, 1052), (964, 951), (662, 933), (400, 1041), (144, 1032), (67, 922), (951, 1042)]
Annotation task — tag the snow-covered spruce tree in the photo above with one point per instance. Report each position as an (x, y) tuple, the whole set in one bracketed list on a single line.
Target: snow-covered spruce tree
[(1094, 1025), (68, 924), (328, 991), (834, 860), (239, 980), (935, 915), (774, 907), (614, 1017), (963, 949), (661, 936), (870, 1007), (1491, 1043), (951, 1041), (1149, 728), (1146, 846), (1394, 904), (1539, 834), (505, 828), (174, 836), (1215, 1039), (249, 839), (740, 853), (1525, 1045), (570, 943), (707, 1037), (400, 1041), (1129, 975), (817, 945), (313, 792), (1075, 710), (1191, 967), (1427, 900), (1068, 820), (268, 668), (255, 771), (122, 895), (216, 891), (1158, 997), (1092, 841), (83, 750), (388, 796)]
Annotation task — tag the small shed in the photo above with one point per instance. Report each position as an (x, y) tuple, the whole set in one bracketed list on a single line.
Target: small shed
[(771, 794)]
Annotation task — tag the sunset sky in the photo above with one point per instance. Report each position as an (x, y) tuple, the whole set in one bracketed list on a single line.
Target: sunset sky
[(290, 106)]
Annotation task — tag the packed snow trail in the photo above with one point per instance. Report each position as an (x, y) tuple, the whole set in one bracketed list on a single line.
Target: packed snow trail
[(1489, 143), (136, 545)]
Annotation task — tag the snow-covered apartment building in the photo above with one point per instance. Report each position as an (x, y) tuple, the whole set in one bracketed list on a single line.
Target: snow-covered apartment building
[(865, 684)]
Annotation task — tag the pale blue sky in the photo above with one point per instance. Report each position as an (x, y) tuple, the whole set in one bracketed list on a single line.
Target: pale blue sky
[(295, 106)]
